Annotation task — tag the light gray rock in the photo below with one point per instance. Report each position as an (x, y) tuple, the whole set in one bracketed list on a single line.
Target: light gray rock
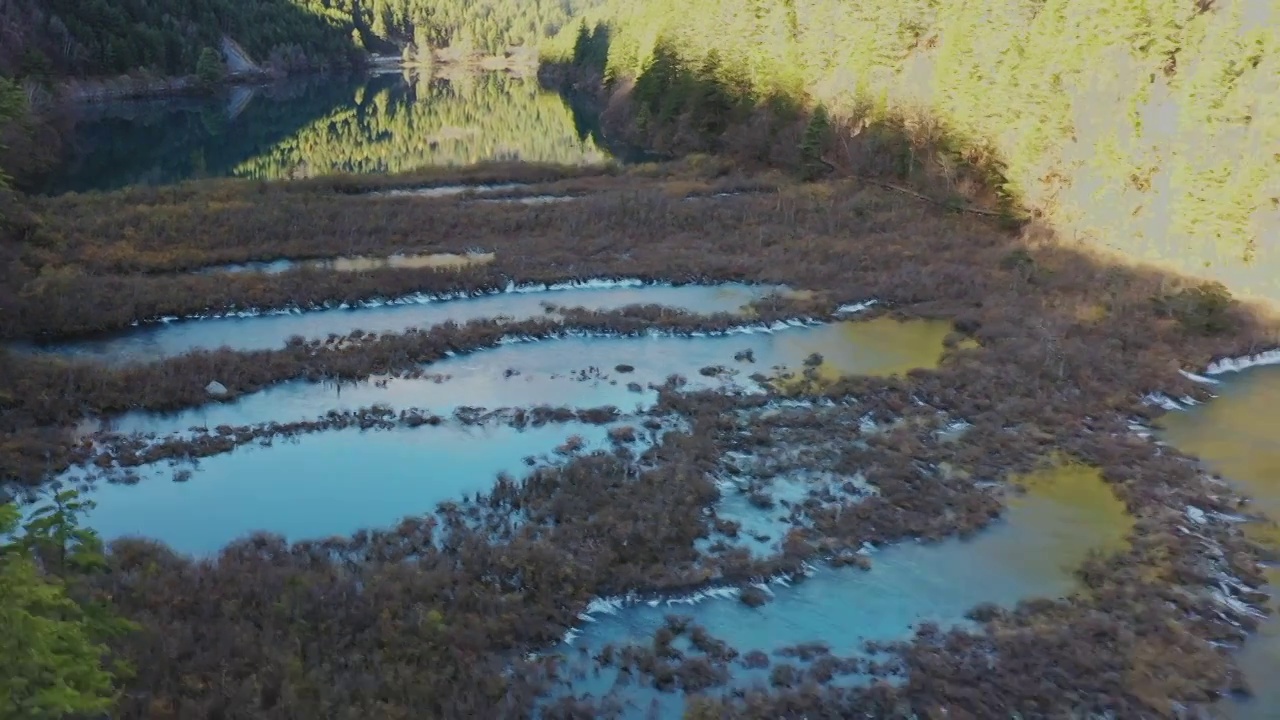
[(216, 389), (1196, 515)]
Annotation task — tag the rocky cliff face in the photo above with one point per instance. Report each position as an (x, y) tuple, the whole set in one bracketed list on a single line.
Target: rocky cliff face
[(238, 61)]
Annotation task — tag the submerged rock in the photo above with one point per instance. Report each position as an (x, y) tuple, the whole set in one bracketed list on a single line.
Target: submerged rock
[(215, 388), (753, 597)]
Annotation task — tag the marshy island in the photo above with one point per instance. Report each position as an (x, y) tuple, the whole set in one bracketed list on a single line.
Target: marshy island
[(492, 360)]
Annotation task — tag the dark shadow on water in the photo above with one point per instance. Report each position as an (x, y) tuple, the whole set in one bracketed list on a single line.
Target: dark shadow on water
[(591, 53), (164, 141), (586, 120)]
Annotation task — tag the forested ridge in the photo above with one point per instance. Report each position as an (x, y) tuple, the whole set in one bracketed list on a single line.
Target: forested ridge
[(51, 38), (487, 26), (1149, 126)]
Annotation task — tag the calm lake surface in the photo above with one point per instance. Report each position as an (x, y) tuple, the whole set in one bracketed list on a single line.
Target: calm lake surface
[(320, 485), (335, 482), (319, 125)]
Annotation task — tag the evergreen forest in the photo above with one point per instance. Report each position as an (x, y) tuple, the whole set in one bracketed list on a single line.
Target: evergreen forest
[(1149, 126), (47, 39)]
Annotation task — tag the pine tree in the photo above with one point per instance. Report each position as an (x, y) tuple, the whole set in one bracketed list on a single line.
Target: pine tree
[(51, 652), (13, 109), (209, 68), (816, 135), (712, 105), (582, 44)]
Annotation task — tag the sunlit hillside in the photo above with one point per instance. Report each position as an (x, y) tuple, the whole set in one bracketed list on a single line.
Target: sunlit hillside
[(1145, 126)]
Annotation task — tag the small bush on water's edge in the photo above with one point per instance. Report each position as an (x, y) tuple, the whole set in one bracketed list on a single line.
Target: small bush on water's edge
[(1204, 308)]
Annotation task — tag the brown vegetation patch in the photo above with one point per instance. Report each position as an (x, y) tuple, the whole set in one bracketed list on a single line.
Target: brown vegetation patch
[(432, 618)]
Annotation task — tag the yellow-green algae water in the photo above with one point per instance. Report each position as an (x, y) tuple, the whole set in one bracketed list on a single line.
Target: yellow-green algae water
[(884, 346), (1080, 490), (1237, 435)]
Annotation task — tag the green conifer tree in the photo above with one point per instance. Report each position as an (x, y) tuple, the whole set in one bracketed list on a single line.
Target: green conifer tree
[(53, 663), (209, 68), (816, 135)]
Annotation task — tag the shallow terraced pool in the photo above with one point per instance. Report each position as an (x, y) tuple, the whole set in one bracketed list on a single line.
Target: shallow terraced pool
[(269, 331), (1237, 434), (1031, 552), (322, 484), (582, 372)]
